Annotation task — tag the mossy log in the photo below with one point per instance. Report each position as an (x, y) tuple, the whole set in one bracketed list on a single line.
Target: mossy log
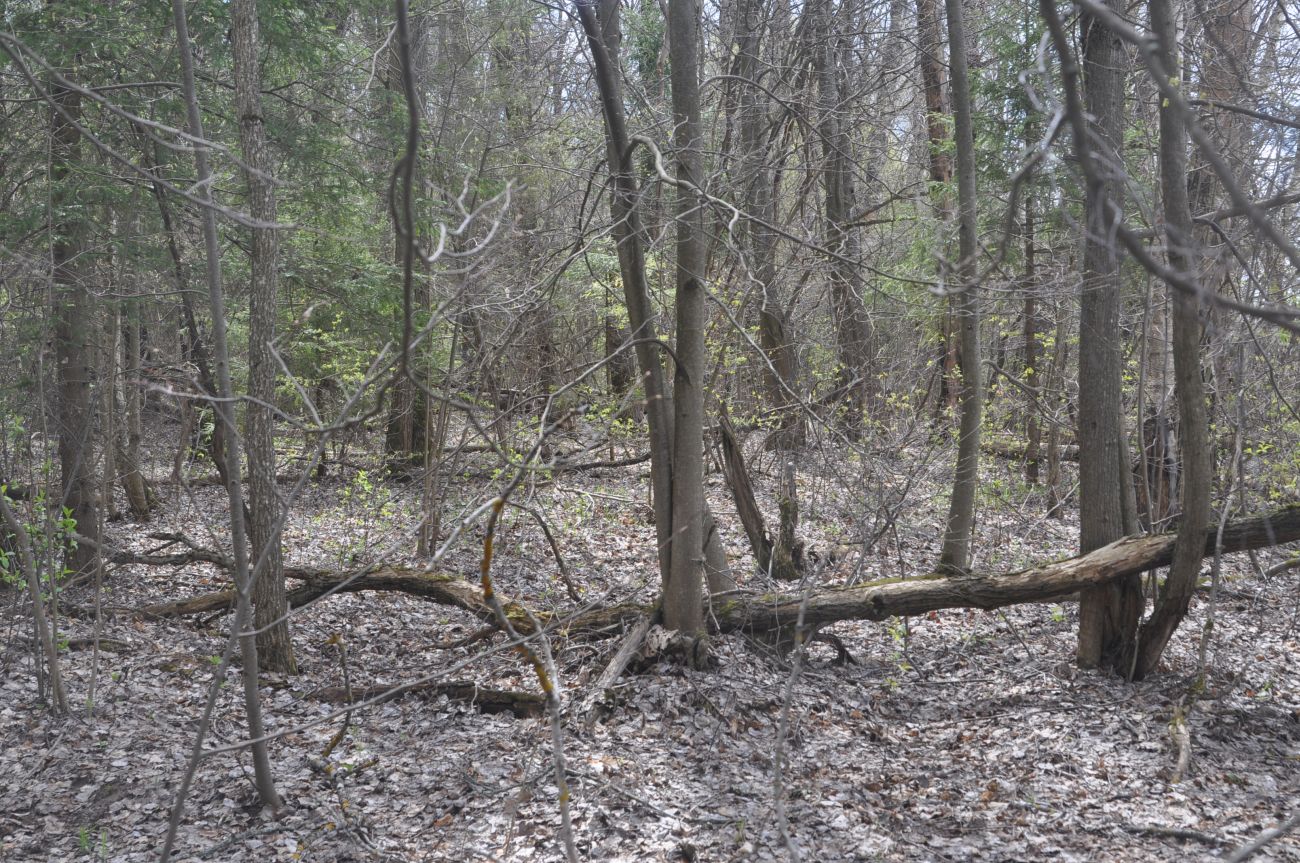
[(763, 613)]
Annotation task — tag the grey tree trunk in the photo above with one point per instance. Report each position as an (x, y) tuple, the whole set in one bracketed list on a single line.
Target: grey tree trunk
[(274, 648), (602, 32), (961, 508), (1176, 594), (224, 408), (603, 39), (1108, 614), (682, 608), (72, 333), (855, 373), (138, 494), (754, 181)]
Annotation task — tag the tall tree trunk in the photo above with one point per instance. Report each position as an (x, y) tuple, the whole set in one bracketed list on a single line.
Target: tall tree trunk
[(1108, 615), (1225, 76), (961, 509), (682, 608), (602, 31), (1176, 594), (855, 372), (1033, 375), (138, 494), (195, 348), (274, 649), (755, 181), (72, 332), (937, 114), (223, 406), (110, 431)]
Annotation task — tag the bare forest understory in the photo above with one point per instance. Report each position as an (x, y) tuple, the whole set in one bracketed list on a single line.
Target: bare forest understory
[(950, 735)]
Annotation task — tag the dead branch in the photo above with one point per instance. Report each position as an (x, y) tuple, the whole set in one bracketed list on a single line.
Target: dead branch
[(523, 705), (761, 613)]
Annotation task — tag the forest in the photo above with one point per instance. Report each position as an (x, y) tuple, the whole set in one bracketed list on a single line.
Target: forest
[(693, 430)]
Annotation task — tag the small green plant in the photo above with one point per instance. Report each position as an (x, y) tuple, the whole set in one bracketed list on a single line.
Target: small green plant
[(88, 843), (368, 504)]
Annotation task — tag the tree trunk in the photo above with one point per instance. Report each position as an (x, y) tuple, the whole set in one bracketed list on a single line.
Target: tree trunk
[(1108, 615), (195, 349), (682, 608), (1033, 375), (1056, 385), (933, 87), (138, 494), (224, 409), (603, 37), (855, 372), (1176, 594), (754, 182), (72, 332), (961, 509), (274, 649)]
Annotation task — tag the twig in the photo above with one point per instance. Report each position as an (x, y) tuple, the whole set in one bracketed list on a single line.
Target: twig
[(337, 641), (1273, 833), (1175, 832)]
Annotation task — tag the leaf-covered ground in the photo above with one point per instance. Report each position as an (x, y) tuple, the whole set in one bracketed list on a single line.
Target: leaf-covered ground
[(958, 736)]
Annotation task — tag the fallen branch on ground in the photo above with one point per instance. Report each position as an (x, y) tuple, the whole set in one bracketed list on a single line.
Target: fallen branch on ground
[(759, 613), (523, 705)]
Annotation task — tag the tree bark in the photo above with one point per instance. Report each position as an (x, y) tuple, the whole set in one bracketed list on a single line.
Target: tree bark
[(1176, 594), (1108, 615), (274, 648), (681, 597), (224, 409), (855, 372), (961, 509), (72, 331)]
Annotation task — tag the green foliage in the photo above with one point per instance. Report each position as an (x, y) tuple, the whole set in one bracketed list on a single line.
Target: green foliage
[(49, 531)]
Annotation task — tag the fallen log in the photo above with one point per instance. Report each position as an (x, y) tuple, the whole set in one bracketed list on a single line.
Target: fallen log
[(522, 704), (763, 613), (1017, 450), (880, 600)]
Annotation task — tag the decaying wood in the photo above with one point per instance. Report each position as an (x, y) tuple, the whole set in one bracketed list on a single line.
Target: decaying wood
[(783, 559), (522, 704), (1014, 449), (884, 599), (878, 600), (592, 705)]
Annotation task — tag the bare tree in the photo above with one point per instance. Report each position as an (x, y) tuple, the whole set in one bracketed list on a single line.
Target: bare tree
[(855, 372), (274, 649), (223, 405), (1108, 614), (961, 508), (73, 356), (1176, 594), (682, 608)]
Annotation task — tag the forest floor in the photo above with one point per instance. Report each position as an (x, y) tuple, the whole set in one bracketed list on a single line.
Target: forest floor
[(956, 736)]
